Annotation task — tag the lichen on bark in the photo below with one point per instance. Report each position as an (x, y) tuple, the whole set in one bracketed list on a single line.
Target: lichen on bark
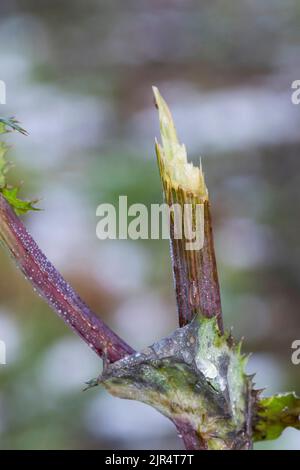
[(196, 378)]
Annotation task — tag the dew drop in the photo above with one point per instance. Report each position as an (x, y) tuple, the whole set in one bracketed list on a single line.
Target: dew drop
[(194, 296)]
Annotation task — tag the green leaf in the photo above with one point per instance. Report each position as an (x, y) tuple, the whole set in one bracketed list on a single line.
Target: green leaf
[(274, 414), (6, 123), (20, 206), (9, 192), (2, 127), (3, 163)]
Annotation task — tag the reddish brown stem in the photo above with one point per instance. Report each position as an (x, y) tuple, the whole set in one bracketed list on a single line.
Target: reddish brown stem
[(196, 276), (189, 436), (61, 297)]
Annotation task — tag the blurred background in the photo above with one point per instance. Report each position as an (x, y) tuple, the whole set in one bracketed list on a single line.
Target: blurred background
[(79, 78)]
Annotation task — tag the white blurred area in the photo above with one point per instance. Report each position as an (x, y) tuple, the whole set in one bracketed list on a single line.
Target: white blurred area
[(127, 421), (10, 334), (263, 115)]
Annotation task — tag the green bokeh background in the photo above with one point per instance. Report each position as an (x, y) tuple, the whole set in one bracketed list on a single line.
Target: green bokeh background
[(78, 77)]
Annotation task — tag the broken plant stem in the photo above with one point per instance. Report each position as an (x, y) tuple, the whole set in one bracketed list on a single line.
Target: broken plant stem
[(194, 269), (61, 297)]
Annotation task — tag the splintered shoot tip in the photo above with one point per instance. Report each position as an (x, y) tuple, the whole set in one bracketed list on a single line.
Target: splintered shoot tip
[(173, 156)]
